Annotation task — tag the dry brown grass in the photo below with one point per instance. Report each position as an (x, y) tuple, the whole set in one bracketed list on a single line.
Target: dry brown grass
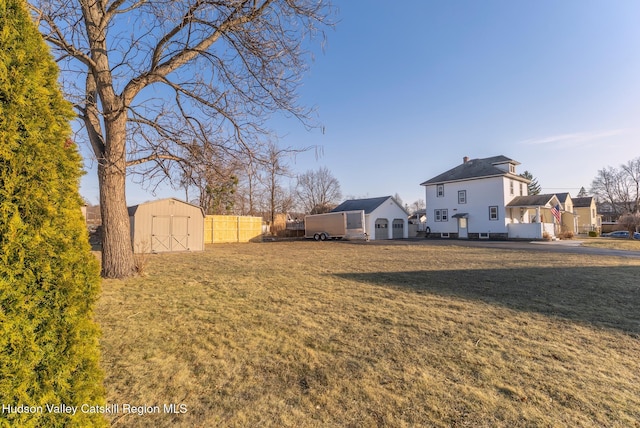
[(613, 243), (308, 334)]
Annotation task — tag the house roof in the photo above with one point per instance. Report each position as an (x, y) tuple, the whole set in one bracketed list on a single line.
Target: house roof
[(545, 200), (476, 168), (367, 205), (562, 197), (582, 202)]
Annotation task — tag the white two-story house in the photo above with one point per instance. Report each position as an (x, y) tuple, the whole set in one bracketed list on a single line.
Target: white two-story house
[(472, 200)]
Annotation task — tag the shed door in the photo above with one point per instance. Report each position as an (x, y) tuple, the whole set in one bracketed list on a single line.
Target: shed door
[(169, 233), (382, 228), (160, 234), (179, 233), (398, 228)]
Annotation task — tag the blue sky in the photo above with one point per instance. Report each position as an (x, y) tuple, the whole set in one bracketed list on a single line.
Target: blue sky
[(405, 90)]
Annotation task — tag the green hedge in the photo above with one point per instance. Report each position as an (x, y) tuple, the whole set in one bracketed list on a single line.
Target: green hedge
[(49, 280)]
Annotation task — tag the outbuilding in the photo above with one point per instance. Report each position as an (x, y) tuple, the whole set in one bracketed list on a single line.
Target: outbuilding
[(166, 225), (385, 218)]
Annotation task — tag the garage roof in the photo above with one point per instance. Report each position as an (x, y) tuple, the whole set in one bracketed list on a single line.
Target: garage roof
[(367, 205)]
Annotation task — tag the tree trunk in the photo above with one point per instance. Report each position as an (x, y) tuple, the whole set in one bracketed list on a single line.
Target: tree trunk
[(117, 252)]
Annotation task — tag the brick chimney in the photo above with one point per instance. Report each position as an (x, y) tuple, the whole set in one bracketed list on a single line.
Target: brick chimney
[(465, 159)]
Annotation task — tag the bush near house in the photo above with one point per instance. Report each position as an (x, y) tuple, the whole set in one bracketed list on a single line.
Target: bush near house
[(49, 280)]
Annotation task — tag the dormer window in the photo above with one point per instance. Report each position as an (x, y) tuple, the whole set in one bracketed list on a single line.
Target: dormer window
[(512, 168)]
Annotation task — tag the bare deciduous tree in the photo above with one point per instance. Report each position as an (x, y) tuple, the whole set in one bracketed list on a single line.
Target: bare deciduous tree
[(152, 79), (630, 222), (275, 167), (619, 188), (214, 176), (417, 206), (318, 190)]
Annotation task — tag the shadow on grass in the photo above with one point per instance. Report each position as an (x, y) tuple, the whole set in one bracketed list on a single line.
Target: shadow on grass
[(603, 296)]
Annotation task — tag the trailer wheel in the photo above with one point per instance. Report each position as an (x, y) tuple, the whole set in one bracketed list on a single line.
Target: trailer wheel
[(316, 237), (323, 237)]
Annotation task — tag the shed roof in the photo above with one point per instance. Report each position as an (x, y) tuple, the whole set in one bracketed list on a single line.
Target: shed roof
[(132, 209), (367, 205), (476, 168)]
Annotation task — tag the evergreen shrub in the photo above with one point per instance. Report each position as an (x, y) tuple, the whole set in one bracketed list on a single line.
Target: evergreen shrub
[(49, 280)]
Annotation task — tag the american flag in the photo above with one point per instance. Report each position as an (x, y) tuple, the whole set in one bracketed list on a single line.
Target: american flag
[(556, 212)]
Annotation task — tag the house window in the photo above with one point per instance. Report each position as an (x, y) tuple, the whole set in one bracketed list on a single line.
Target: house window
[(511, 187), (462, 196), (440, 190), (493, 213), (441, 215), (512, 168), (521, 189)]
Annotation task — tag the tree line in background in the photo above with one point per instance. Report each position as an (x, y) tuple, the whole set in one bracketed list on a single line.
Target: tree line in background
[(618, 192), (619, 188)]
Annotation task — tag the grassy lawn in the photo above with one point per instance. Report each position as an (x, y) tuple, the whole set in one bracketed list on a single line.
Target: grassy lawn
[(317, 334)]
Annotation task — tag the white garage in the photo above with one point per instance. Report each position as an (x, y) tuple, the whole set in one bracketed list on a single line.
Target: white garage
[(384, 217), (166, 225)]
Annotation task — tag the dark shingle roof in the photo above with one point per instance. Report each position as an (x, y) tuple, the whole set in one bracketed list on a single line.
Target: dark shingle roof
[(368, 205), (474, 168), (531, 200), (582, 202), (562, 197)]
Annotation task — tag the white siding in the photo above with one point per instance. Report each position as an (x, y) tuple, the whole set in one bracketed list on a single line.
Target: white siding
[(389, 210), (481, 194)]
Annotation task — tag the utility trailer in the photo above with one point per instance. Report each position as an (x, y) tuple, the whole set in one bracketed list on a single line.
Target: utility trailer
[(338, 225)]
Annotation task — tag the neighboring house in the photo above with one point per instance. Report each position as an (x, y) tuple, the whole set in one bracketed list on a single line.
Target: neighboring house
[(536, 216), (385, 218), (474, 200), (587, 212), (569, 216), (417, 223), (609, 215), (166, 225)]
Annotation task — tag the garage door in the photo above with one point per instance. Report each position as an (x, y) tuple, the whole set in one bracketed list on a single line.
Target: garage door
[(398, 228), (382, 229)]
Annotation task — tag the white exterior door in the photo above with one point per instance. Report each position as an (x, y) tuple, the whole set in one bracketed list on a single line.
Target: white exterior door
[(462, 228)]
